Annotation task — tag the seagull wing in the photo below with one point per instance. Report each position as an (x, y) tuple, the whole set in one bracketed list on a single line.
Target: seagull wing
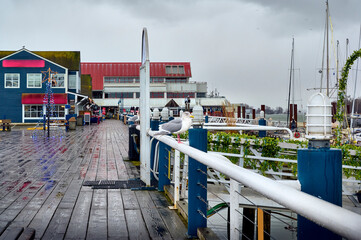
[(172, 126)]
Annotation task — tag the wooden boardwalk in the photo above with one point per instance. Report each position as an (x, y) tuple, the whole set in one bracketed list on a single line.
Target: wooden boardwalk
[(41, 187)]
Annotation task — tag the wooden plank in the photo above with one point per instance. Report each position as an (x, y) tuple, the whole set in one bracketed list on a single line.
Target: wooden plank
[(129, 199), (206, 233), (27, 234), (58, 225), (21, 201), (174, 224), (159, 199), (171, 219), (136, 226), (183, 209), (97, 228), (77, 228), (117, 225), (156, 227), (11, 233), (45, 213), (59, 222)]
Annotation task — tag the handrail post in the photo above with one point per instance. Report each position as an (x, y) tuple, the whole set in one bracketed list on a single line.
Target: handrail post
[(164, 157), (176, 177), (184, 177), (154, 126), (320, 174), (235, 189), (234, 205), (197, 184), (164, 166)]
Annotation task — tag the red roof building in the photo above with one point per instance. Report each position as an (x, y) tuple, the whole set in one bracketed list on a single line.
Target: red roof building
[(157, 69)]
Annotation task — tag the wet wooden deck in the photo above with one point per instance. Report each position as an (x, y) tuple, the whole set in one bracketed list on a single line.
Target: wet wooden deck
[(41, 187)]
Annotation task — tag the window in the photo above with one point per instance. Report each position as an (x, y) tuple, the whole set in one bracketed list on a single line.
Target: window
[(36, 111), (58, 80), (168, 69), (72, 81), (33, 111), (201, 95), (34, 80), (119, 79), (180, 95), (12, 80), (119, 95), (174, 69), (181, 70), (157, 95), (176, 80), (137, 94), (97, 94), (156, 80), (59, 111)]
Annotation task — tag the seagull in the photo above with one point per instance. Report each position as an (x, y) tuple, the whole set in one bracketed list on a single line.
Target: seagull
[(134, 118), (176, 126)]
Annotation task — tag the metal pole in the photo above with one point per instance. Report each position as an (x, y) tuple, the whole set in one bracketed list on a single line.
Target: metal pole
[(145, 111), (327, 58), (354, 90), (48, 107)]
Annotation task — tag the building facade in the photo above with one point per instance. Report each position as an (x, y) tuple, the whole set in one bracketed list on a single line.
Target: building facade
[(21, 83), (116, 85)]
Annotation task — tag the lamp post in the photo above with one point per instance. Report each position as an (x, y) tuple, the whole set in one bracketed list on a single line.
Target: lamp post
[(319, 167)]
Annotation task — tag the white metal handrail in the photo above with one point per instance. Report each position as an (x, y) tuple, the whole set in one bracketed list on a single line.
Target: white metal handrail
[(250, 127), (330, 216)]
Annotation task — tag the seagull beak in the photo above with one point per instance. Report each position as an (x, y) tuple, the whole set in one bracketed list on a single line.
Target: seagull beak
[(191, 116)]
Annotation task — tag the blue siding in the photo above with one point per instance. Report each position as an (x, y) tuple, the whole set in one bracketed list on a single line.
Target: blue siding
[(10, 98)]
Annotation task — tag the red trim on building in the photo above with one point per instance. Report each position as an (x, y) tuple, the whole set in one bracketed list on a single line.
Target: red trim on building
[(157, 69), (38, 98), (24, 63)]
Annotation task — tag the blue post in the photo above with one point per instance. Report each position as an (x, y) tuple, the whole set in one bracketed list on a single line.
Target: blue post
[(163, 161), (197, 184), (154, 126), (206, 119), (320, 174), (262, 122), (163, 166)]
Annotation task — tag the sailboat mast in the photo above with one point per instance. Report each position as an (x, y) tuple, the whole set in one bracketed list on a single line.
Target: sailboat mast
[(354, 89), (290, 83), (327, 58), (293, 76)]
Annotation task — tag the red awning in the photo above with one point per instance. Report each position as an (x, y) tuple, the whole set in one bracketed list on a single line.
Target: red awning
[(38, 98), (24, 63)]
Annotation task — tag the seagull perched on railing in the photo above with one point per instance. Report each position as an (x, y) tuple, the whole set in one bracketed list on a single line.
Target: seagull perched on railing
[(176, 126), (135, 119)]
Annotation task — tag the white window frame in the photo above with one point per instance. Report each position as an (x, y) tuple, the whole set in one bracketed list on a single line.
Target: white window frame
[(57, 75), (56, 108), (27, 80), (43, 111), (18, 74), (30, 105), (74, 79)]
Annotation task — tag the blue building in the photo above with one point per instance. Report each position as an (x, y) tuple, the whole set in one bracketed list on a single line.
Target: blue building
[(21, 83)]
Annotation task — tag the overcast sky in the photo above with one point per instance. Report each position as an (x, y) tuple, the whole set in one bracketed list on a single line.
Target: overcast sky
[(242, 48)]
